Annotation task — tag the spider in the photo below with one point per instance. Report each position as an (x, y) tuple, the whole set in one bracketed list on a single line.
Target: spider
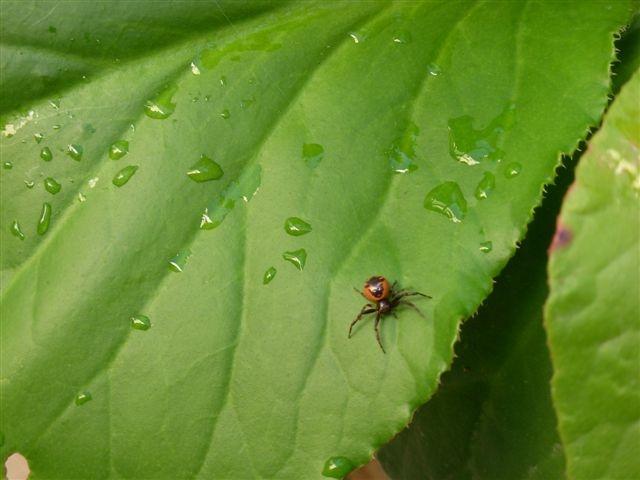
[(386, 298)]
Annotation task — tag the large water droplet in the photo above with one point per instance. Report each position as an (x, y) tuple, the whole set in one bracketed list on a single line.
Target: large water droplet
[(296, 226), (74, 151), (268, 275), (118, 150), (16, 230), (297, 257), (513, 169), (47, 155), (178, 262), (470, 146), (124, 175), (205, 170), (83, 397), (312, 153), (485, 186), (337, 467), (51, 185), (140, 322), (402, 153), (162, 105), (448, 200), (45, 218)]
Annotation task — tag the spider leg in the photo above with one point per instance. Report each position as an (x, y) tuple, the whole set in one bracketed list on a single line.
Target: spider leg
[(406, 302), (377, 329), (360, 292), (406, 293), (365, 310)]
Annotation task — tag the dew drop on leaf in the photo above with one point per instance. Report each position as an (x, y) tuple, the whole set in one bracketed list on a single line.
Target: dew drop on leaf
[(38, 137), (205, 170), (74, 151), (162, 106), (140, 322), (179, 260), (486, 247), (512, 170), (485, 186), (337, 467), (447, 199), (83, 397), (51, 185), (46, 154), (268, 275), (124, 175), (296, 226), (7, 165), (297, 258), (312, 153), (118, 150), (16, 230), (45, 218), (401, 154)]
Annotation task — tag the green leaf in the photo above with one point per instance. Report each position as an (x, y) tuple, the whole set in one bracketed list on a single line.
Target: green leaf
[(311, 111), (492, 416), (593, 313)]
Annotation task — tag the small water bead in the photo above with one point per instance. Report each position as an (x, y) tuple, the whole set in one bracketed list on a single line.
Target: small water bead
[(434, 69), (297, 257), (205, 170), (486, 247), (269, 275), (124, 175), (45, 219), (118, 150), (55, 104), (194, 69), (16, 231), (356, 37), (296, 226), (225, 114), (46, 154), (83, 397), (140, 322), (512, 170), (312, 153), (38, 137), (247, 102), (402, 155), (162, 106), (51, 185), (448, 200), (92, 182), (337, 467), (75, 151), (402, 37), (223, 81), (81, 197), (29, 183), (178, 262), (485, 186), (7, 165)]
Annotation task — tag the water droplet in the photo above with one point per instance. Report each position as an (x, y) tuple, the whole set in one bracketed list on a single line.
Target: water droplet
[(140, 322), (46, 154), (194, 69), (161, 106), (337, 467), (118, 150), (225, 114), (312, 153), (247, 102), (38, 137), (205, 170), (74, 151), (124, 175), (177, 263), (402, 154), (448, 200), (51, 185), (513, 169), (81, 197), (485, 186), (434, 69), (83, 397), (92, 182), (298, 258), (45, 218), (402, 37), (470, 146), (7, 165), (223, 81), (296, 226), (16, 230), (55, 104), (486, 247), (268, 275), (56, 126), (357, 37), (29, 183)]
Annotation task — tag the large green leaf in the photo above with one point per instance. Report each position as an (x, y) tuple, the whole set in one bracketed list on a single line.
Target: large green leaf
[(311, 111), (593, 313)]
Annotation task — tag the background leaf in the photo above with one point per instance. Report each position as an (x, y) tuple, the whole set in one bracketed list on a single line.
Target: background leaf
[(396, 107), (593, 313)]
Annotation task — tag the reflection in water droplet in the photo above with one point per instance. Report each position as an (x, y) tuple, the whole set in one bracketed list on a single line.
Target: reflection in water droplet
[(448, 200), (297, 257), (402, 155), (177, 263), (402, 37), (45, 218), (29, 183), (82, 398), (296, 226), (194, 69), (485, 186), (16, 230), (205, 170), (92, 182), (246, 187), (118, 150), (81, 197), (512, 170), (140, 322), (434, 69), (47, 155), (124, 175), (7, 165), (486, 247), (225, 114), (38, 137), (337, 467), (74, 151), (162, 105), (312, 153), (357, 37), (268, 275), (470, 146), (51, 185), (55, 104)]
